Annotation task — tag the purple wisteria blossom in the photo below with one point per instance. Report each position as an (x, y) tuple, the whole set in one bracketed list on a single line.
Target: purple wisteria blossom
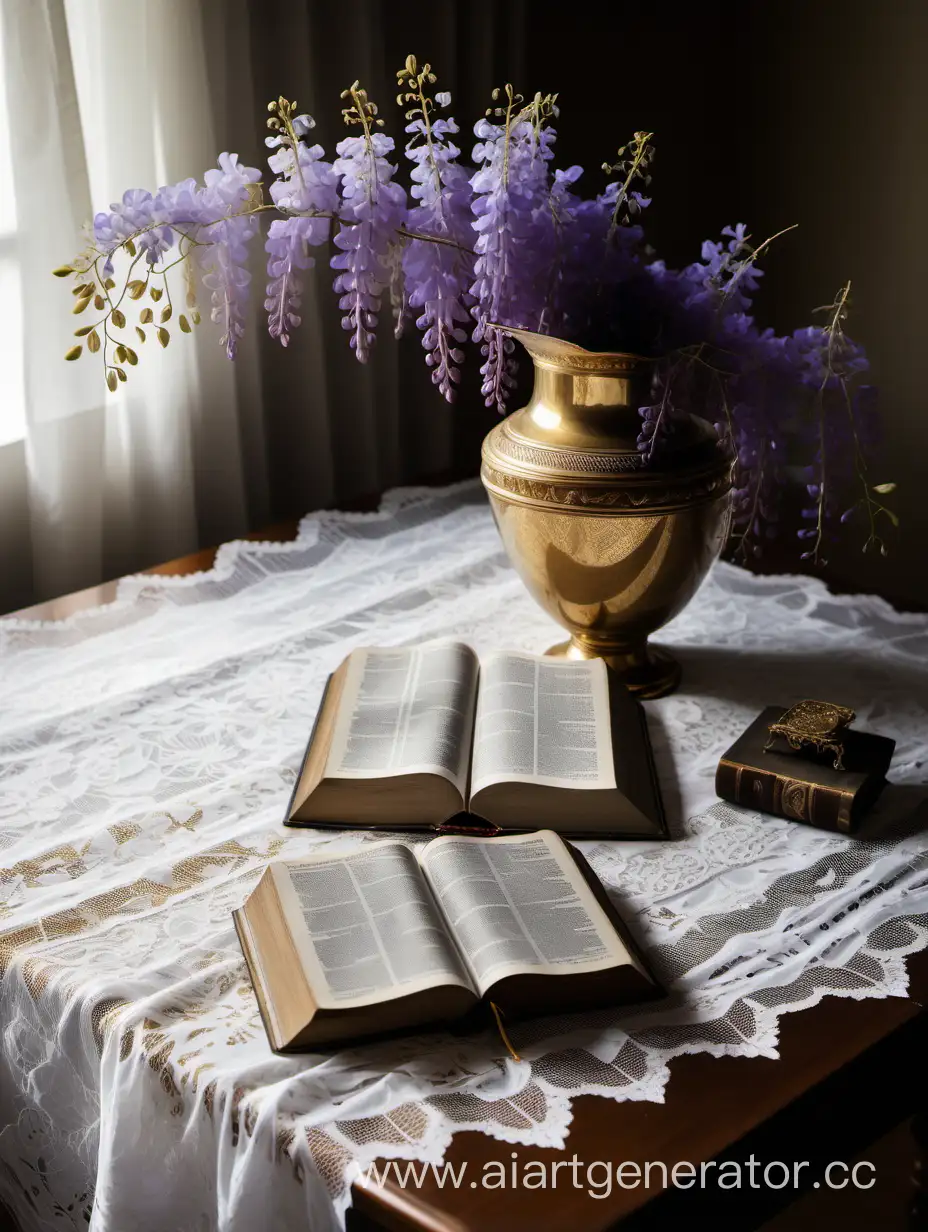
[(515, 243), (373, 210), (306, 185), (223, 251), (136, 213), (179, 207), (438, 274), (510, 195), (214, 217), (827, 362), (123, 219), (565, 223)]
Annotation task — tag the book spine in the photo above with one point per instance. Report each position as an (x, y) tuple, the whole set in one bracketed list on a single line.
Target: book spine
[(244, 940), (794, 799)]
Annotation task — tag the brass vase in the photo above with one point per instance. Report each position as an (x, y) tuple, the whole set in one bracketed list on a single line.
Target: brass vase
[(610, 547)]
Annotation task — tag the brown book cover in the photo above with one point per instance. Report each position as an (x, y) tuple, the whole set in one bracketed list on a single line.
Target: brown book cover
[(804, 786)]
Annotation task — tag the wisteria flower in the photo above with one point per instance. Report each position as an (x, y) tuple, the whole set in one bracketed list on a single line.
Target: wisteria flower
[(438, 270), (511, 242), (307, 191), (223, 253), (373, 211), (510, 193)]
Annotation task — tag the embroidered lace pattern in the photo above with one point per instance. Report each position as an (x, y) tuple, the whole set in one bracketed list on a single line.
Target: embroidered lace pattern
[(147, 750)]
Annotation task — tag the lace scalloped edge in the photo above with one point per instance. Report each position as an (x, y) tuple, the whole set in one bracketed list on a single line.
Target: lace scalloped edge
[(137, 587), (554, 1131), (230, 556)]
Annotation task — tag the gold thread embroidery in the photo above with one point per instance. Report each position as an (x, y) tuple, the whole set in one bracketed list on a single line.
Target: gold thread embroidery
[(124, 831), (186, 874), (189, 825)]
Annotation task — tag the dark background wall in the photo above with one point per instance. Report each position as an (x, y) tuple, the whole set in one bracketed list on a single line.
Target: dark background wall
[(769, 112), (796, 111)]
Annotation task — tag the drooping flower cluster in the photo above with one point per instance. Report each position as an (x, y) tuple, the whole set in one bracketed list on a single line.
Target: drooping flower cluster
[(222, 246), (306, 192), (511, 221), (839, 433), (438, 270), (208, 226), (511, 242), (373, 213), (136, 215)]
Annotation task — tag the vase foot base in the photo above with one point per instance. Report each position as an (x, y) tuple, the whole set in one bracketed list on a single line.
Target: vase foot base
[(646, 671)]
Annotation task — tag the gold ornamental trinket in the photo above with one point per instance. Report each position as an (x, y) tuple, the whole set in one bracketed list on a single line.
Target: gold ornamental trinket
[(817, 724)]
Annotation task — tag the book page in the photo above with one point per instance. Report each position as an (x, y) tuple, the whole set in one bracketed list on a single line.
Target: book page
[(406, 711), (366, 926), (519, 904), (542, 720)]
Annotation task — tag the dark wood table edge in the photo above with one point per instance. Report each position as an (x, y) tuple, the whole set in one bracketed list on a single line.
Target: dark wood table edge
[(106, 592), (827, 1056)]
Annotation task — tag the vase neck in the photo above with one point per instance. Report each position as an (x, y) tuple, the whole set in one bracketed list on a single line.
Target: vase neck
[(588, 409)]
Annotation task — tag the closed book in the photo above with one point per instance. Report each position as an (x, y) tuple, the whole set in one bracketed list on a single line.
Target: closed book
[(804, 786)]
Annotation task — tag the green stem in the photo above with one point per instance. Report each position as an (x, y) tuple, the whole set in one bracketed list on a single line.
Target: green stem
[(860, 466), (294, 145), (424, 104), (820, 522), (622, 196), (834, 331), (125, 288), (510, 103), (743, 536)]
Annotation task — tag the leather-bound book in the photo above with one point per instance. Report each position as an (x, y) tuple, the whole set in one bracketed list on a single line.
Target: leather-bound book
[(804, 785)]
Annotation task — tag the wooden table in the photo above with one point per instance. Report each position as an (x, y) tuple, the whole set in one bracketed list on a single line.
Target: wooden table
[(848, 1071)]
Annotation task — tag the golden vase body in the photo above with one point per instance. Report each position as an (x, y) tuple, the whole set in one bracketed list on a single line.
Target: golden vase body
[(610, 547)]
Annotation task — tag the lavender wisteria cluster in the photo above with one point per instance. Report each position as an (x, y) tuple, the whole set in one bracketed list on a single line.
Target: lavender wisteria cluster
[(504, 240)]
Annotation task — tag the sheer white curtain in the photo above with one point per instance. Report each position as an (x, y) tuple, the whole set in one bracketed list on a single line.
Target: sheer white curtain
[(104, 95)]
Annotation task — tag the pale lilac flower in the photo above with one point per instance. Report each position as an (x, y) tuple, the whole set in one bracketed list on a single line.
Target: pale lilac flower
[(224, 255), (438, 275), (306, 186), (125, 218), (510, 195), (178, 205), (373, 209), (522, 247)]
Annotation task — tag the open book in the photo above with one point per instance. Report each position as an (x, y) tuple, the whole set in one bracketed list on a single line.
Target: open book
[(411, 737), (394, 936)]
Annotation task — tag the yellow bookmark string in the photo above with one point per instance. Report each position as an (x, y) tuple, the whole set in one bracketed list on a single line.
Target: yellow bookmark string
[(498, 1015)]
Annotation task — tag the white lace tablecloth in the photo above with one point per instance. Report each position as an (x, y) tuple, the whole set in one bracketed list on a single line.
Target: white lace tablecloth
[(147, 750)]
